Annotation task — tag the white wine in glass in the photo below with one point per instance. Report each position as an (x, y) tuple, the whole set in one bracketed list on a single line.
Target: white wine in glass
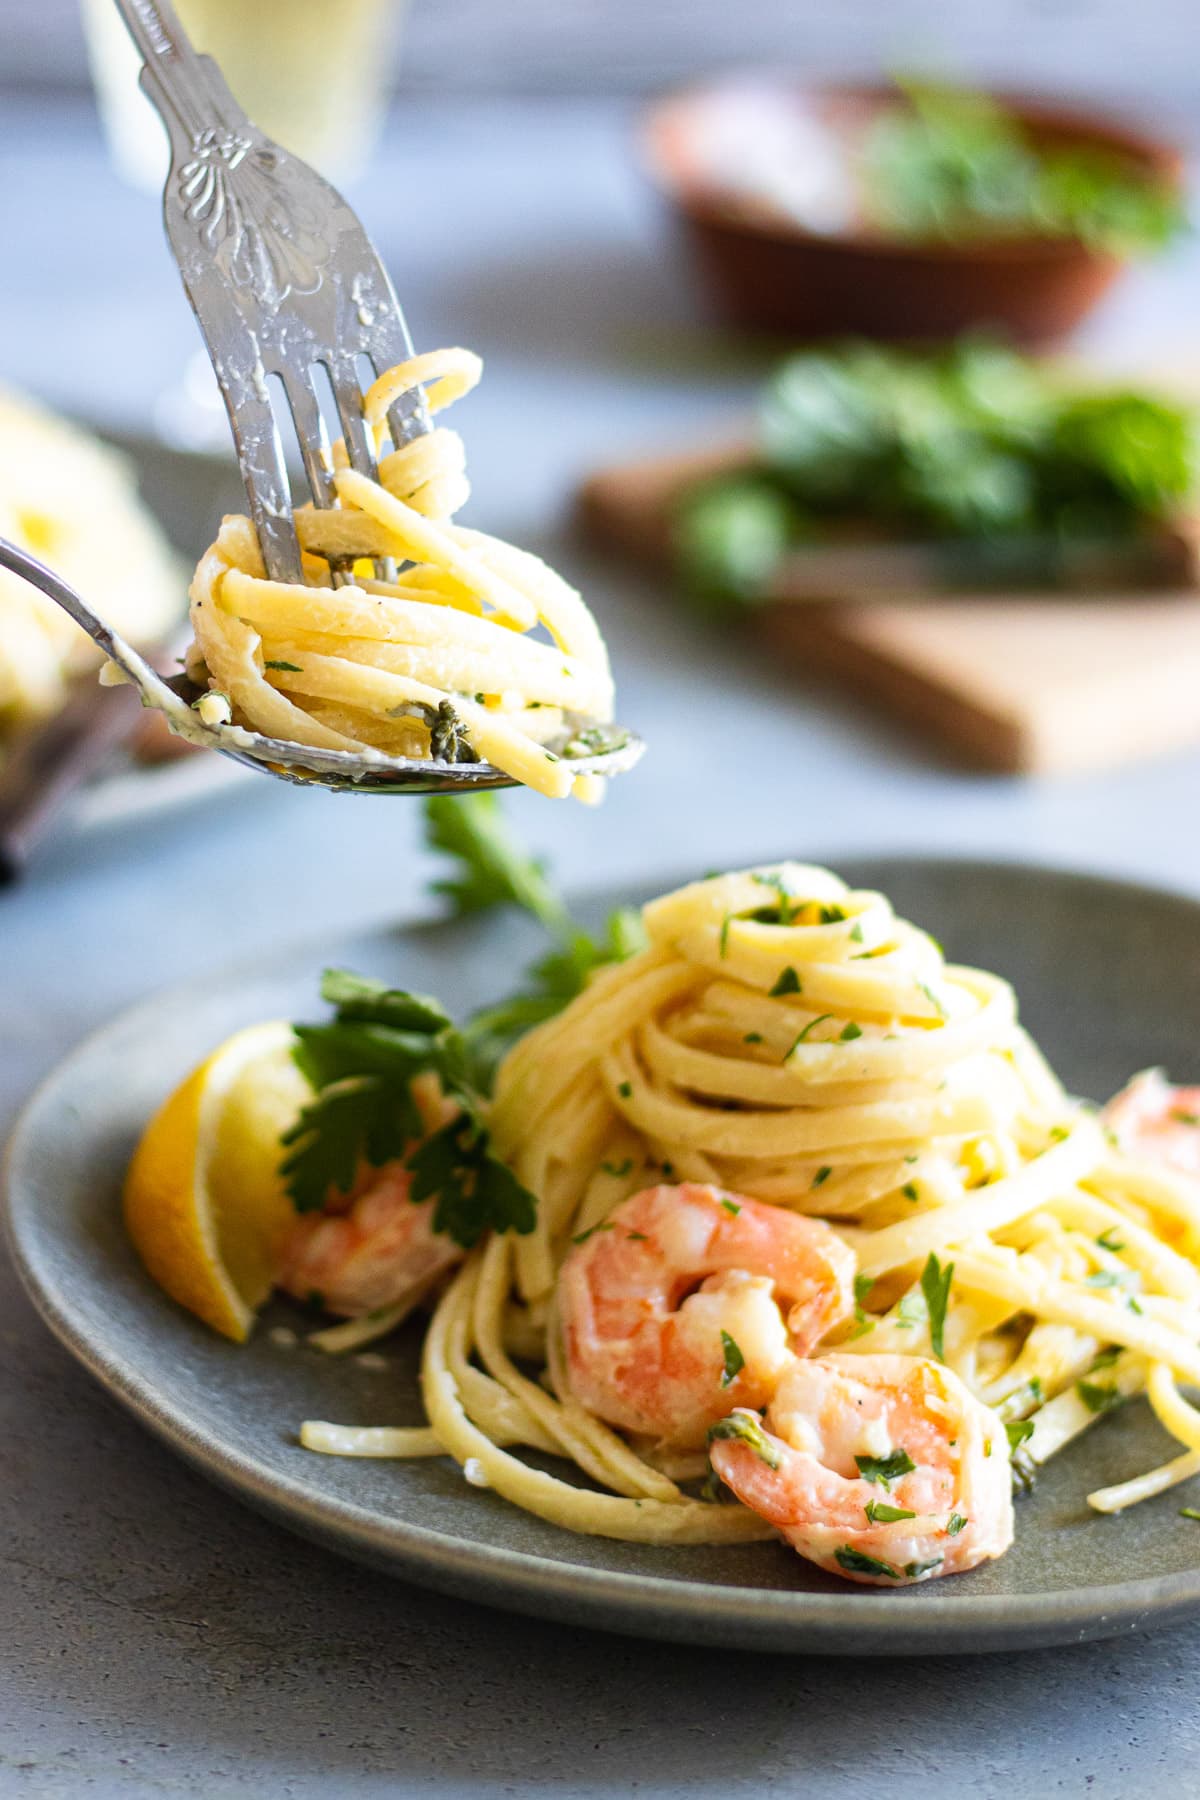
[(312, 73)]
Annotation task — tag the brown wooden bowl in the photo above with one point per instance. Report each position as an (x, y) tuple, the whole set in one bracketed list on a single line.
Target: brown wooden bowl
[(765, 271)]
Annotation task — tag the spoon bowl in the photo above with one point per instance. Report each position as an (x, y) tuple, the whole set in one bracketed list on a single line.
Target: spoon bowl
[(338, 771)]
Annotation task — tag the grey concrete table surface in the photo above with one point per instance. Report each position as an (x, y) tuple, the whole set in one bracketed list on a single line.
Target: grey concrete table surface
[(154, 1637)]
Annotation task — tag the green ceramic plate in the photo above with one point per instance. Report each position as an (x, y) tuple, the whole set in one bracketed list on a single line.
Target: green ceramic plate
[(1109, 977)]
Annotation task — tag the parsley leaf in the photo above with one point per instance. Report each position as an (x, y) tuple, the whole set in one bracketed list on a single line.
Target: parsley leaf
[(473, 1190), (362, 1065), (856, 1562), (1097, 1396), (1018, 1431), (493, 869), (935, 1285), (954, 1524), (735, 1362), (885, 1469), (880, 1513), (747, 1429), (787, 983)]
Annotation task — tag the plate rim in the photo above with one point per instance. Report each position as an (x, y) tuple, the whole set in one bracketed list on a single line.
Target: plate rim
[(857, 1621)]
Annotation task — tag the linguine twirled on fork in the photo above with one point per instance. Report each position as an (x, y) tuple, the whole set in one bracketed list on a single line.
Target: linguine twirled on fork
[(440, 661)]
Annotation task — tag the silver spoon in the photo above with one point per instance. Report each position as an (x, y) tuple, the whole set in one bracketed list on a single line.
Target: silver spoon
[(286, 288), (370, 772)]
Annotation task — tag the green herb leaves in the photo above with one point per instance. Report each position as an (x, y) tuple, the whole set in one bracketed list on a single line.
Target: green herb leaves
[(747, 1428), (975, 443), (1098, 1396), (788, 982), (935, 1286), (954, 165), (856, 1562), (885, 1469), (473, 1190), (362, 1065), (1018, 1431), (491, 868), (880, 1513), (735, 1362)]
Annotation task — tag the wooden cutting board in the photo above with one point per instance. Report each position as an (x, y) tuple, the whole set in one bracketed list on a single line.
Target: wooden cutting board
[(1037, 683)]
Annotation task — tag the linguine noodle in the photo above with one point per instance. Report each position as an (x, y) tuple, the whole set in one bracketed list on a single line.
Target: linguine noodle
[(447, 646)]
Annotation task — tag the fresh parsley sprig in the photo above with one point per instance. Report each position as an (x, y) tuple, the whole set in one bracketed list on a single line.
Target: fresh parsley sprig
[(362, 1064), (492, 868)]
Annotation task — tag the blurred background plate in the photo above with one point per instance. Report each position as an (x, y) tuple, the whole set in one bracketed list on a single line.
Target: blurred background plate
[(1110, 981)]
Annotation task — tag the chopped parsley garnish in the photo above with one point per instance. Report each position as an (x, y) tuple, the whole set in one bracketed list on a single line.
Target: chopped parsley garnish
[(362, 1065), (287, 667), (856, 1562), (753, 1037), (849, 1032), (616, 1170), (811, 1026), (954, 1524), (1104, 1359), (1182, 1116), (831, 915), (914, 1570), (787, 908), (1018, 1431), (880, 1513), (637, 1237), (885, 1469), (1107, 1241), (1059, 1134), (735, 1362), (747, 1429), (935, 1285), (581, 1237), (787, 982), (862, 1324), (822, 1175), (1097, 1396), (731, 1206), (625, 1089), (856, 932), (910, 1191), (1189, 1512), (723, 936)]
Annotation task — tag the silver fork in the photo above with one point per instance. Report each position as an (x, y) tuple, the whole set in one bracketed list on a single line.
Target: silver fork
[(283, 281)]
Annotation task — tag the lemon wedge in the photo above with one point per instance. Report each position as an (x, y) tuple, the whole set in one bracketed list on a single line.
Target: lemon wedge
[(204, 1202)]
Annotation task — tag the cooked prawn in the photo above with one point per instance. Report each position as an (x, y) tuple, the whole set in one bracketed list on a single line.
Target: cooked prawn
[(688, 1301), (381, 1250), (883, 1468), (1151, 1118)]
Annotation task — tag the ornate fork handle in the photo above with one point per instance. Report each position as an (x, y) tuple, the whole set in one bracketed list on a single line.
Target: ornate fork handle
[(186, 88)]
